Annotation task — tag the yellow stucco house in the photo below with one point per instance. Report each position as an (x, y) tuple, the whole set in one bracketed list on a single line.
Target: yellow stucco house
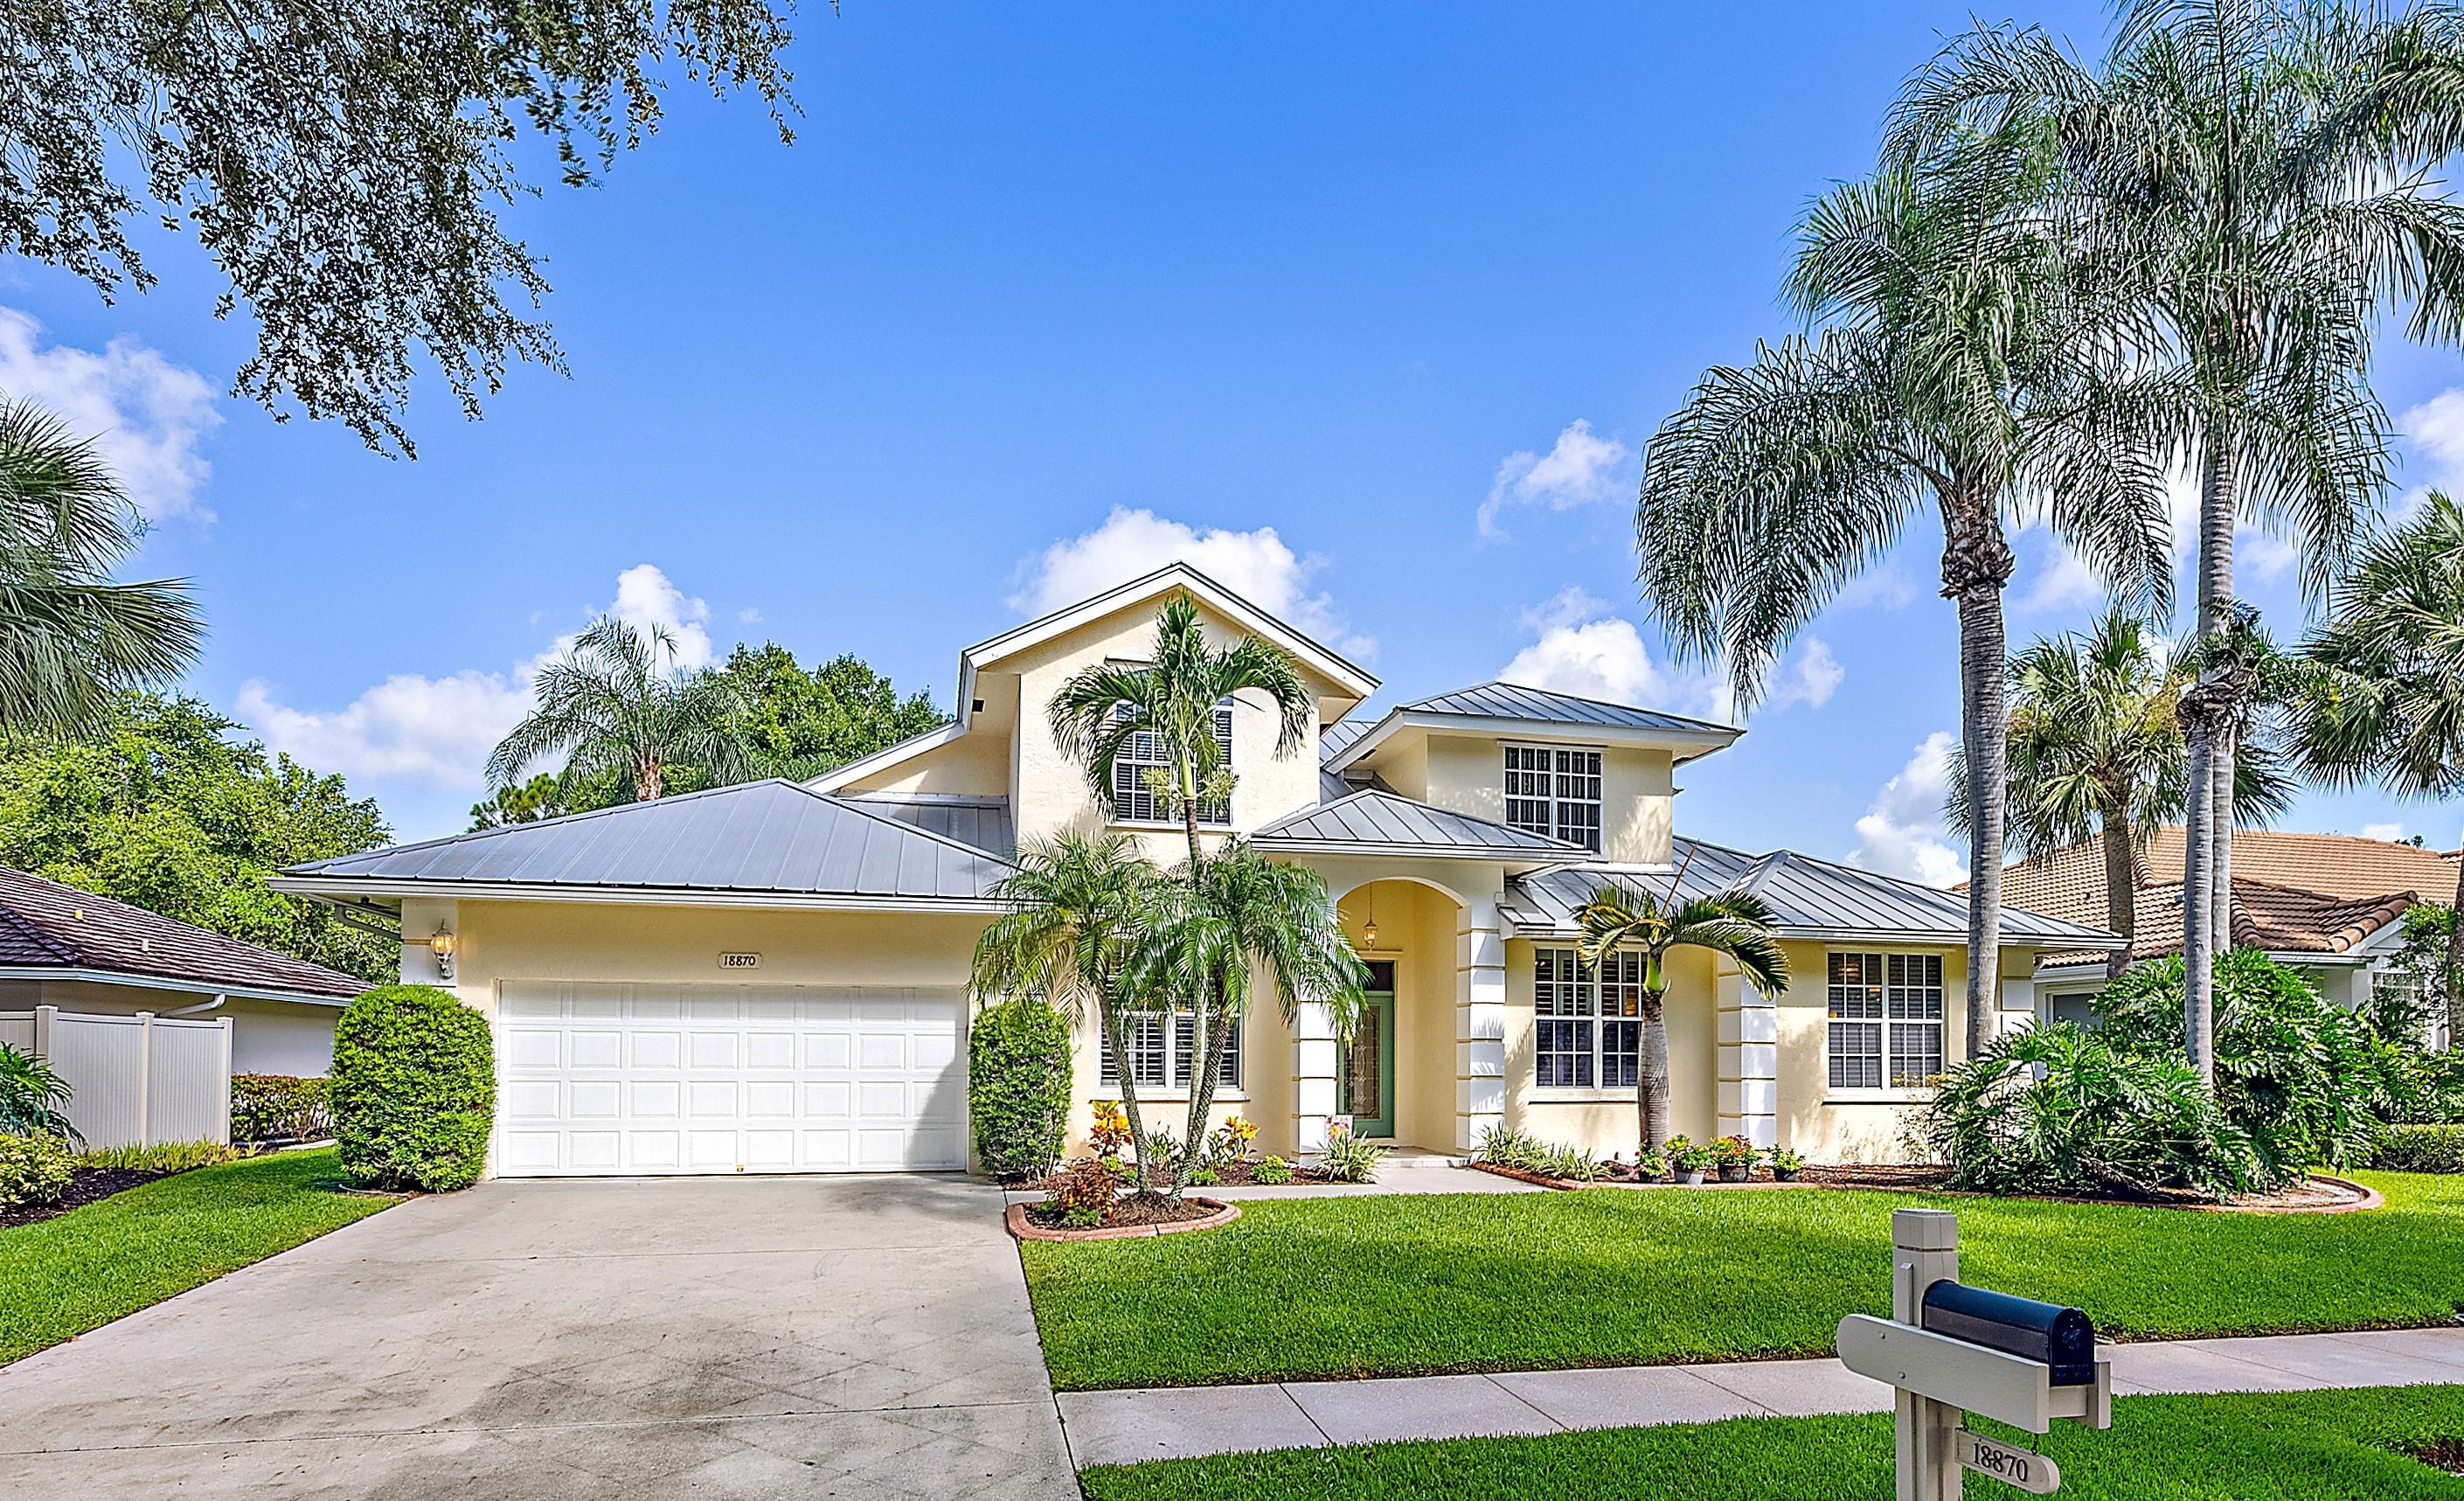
[(770, 977)]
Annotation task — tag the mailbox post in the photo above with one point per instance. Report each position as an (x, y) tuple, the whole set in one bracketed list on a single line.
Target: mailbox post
[(1948, 1350)]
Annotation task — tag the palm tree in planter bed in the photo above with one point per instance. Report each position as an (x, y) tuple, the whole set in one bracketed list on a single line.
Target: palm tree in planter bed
[(1625, 918), (1071, 919), (1240, 917)]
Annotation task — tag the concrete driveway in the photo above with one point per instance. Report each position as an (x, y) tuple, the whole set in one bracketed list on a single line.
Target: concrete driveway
[(741, 1337)]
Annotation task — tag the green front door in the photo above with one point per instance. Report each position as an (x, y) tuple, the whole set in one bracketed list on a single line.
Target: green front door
[(1368, 1057)]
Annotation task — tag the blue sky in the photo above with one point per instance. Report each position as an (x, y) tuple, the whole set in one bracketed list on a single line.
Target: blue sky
[(1043, 297)]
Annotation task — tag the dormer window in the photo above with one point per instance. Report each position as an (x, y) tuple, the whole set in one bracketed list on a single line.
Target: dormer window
[(1554, 790), (1134, 801)]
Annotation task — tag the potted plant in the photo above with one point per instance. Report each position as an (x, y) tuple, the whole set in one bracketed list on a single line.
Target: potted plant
[(1736, 1158), (1785, 1164), (1693, 1162), (1673, 1149), (1651, 1167)]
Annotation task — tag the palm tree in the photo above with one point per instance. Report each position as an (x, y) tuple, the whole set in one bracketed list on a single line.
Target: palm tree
[(1171, 704), (2257, 177), (2097, 751), (1241, 915), (1734, 924), (2388, 697), (71, 635), (1070, 920), (617, 707), (1951, 369)]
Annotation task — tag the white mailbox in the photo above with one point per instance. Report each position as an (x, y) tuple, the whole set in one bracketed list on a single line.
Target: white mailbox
[(1951, 1350)]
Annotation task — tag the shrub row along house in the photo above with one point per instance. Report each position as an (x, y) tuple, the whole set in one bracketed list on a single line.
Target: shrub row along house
[(770, 976)]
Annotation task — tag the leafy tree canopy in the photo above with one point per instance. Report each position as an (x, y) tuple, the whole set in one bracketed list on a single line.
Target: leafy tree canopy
[(802, 723), (344, 165), (543, 796), (168, 805)]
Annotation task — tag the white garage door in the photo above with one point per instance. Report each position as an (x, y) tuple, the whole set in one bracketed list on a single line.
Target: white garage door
[(603, 1078)]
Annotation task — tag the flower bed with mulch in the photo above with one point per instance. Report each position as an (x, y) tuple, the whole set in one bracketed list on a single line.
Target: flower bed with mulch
[(1227, 1175), (88, 1185), (1128, 1217), (2319, 1194)]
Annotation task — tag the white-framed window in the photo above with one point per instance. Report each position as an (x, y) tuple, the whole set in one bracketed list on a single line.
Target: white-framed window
[(1554, 790), (1133, 801), (1588, 1028), (1163, 1057), (1885, 1029)]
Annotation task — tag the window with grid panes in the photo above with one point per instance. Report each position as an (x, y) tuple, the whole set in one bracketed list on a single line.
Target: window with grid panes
[(1159, 1054), (1588, 1028), (1136, 802), (1886, 1020), (1554, 790)]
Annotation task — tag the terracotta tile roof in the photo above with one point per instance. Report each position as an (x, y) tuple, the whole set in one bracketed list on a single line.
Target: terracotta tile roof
[(46, 924), (2293, 893)]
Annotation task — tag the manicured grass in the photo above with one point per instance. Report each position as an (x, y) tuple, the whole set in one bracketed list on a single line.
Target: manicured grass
[(63, 1276), (2301, 1446), (1419, 1284)]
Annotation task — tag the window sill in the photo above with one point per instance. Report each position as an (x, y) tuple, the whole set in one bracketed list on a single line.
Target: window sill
[(1621, 1096), (1226, 1095), (1877, 1097)]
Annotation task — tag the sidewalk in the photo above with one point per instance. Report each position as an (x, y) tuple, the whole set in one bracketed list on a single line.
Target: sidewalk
[(1124, 1428)]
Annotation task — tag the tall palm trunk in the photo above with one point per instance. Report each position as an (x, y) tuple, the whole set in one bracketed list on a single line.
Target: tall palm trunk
[(1203, 1042), (2455, 968), (1651, 1094), (2211, 760), (1108, 1021), (648, 780), (2121, 878), (1976, 562)]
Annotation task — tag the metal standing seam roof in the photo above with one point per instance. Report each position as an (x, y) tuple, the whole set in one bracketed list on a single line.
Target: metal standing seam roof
[(1388, 820), (771, 837), (1806, 896), (1500, 700), (983, 822)]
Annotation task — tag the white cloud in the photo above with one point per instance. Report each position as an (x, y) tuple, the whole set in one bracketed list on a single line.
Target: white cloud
[(1258, 565), (2392, 833), (1586, 648), (2434, 434), (1881, 588), (1901, 833), (435, 733), (1581, 468), (749, 616), (146, 415)]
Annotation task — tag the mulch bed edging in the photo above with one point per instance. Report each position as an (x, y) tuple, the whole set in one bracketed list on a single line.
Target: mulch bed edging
[(1026, 1229), (89, 1185), (1525, 1174)]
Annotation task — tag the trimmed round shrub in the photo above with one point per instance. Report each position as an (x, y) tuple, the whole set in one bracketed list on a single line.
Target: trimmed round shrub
[(414, 1089), (280, 1107), (34, 1169), (2421, 1149), (1017, 1086)]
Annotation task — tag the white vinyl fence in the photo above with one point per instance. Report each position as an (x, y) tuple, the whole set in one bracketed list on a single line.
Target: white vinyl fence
[(137, 1080)]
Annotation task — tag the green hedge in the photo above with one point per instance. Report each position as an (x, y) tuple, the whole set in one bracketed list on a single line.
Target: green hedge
[(278, 1107), (33, 1169), (1017, 1086), (2421, 1149), (414, 1089)]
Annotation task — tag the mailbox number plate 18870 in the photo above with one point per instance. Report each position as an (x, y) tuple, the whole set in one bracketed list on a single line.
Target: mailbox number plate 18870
[(2025, 1468)]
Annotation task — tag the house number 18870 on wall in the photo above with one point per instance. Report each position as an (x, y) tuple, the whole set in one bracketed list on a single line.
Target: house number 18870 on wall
[(740, 961)]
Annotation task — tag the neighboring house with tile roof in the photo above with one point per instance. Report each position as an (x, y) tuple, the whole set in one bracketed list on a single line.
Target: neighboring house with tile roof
[(770, 977), (72, 949), (2331, 905)]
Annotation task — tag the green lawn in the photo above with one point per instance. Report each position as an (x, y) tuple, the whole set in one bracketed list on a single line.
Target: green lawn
[(2304, 1446), (1419, 1284), (63, 1276)]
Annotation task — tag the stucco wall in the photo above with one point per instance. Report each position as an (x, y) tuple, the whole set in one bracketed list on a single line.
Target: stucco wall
[(1605, 1121), (1859, 1125), (1416, 930), (976, 763), (1468, 774)]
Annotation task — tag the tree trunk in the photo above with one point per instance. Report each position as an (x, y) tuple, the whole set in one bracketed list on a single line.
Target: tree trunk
[(2210, 763), (1976, 562), (2199, 974), (1204, 1069), (1106, 1019), (2121, 880), (2220, 831), (647, 782), (1201, 1033), (2454, 976), (1651, 1080)]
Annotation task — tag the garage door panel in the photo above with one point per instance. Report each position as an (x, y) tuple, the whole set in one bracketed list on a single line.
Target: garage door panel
[(606, 1078)]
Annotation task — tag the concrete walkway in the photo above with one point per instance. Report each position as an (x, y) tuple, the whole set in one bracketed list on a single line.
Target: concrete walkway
[(586, 1341), (1124, 1428)]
